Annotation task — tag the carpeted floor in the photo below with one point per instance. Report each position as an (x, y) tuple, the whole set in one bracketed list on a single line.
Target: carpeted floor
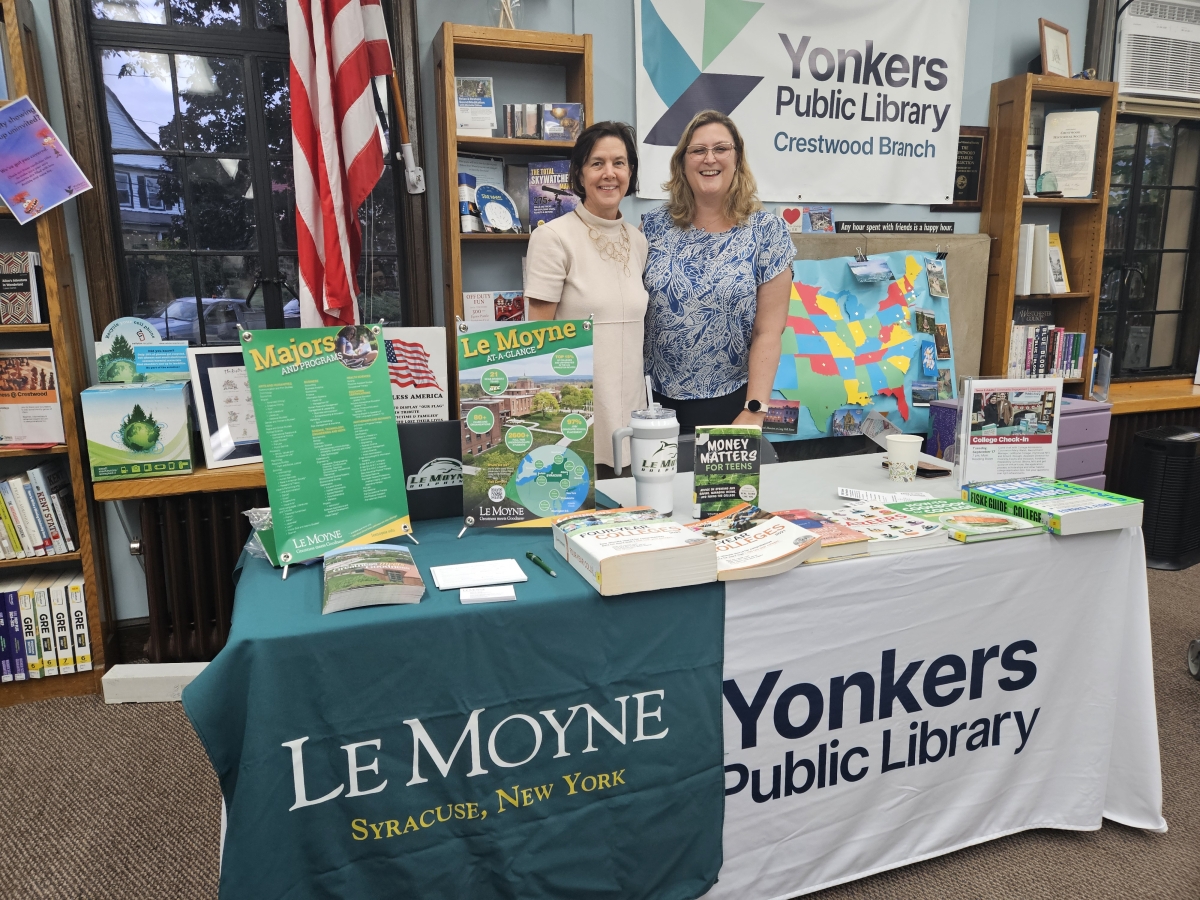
[(119, 802)]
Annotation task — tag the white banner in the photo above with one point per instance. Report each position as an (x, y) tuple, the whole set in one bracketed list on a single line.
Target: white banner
[(848, 101), (886, 710)]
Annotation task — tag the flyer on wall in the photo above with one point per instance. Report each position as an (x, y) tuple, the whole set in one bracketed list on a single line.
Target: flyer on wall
[(38, 174), (525, 391), (1009, 429), (327, 429)]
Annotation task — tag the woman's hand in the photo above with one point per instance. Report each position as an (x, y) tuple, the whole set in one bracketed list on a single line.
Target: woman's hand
[(745, 417)]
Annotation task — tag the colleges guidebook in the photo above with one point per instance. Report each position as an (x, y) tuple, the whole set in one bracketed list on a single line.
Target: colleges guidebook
[(525, 392), (1063, 507)]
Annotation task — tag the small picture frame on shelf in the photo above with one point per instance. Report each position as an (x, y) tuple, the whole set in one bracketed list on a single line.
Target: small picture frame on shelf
[(1056, 49), (224, 409)]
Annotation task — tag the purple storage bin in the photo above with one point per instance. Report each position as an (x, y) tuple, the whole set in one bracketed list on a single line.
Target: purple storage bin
[(1083, 422), (1092, 481), (1080, 461), (943, 425)]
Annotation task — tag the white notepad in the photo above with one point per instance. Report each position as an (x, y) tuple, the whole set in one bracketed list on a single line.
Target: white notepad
[(477, 574), (497, 593)]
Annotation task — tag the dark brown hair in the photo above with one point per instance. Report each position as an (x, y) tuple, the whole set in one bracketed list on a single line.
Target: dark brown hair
[(586, 142)]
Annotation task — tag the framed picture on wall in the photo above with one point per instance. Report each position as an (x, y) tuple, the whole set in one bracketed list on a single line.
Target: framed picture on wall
[(968, 171), (224, 410), (1056, 49)]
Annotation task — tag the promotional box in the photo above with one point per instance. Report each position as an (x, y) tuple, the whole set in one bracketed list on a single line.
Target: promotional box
[(137, 430)]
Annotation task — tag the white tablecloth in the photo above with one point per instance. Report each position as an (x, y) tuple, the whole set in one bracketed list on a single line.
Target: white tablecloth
[(1047, 638)]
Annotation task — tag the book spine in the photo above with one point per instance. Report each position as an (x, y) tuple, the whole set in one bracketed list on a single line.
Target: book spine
[(1013, 341), (21, 503), (45, 626), (60, 614), (1003, 505), (18, 524), (38, 525), (30, 634), (6, 547), (12, 615), (6, 655), (77, 602), (586, 564), (41, 495), (63, 511), (1028, 354), (10, 530)]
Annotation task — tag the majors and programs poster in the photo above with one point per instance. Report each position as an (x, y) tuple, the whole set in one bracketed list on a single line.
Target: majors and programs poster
[(846, 101), (525, 393)]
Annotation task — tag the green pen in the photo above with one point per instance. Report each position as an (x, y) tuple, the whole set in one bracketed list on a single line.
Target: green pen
[(537, 561)]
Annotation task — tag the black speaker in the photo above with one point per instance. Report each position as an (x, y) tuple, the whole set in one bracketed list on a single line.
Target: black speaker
[(1167, 478)]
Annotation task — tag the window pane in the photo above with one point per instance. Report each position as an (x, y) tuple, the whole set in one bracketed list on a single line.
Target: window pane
[(276, 110), (1143, 281), (151, 12), (124, 187), (141, 111), (378, 216), (206, 13), (1106, 331), (272, 14), (1156, 166), (380, 297), (1110, 283), (212, 101), (1138, 329), (222, 213), (291, 305), (283, 201), (1179, 220), (1170, 281), (1187, 151), (1124, 147), (225, 281), (162, 293), (1151, 207), (1162, 345), (154, 218), (1118, 215)]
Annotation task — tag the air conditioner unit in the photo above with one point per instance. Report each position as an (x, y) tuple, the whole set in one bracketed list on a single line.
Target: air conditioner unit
[(1158, 49)]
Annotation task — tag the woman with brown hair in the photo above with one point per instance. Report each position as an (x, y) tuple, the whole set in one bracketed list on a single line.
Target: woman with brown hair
[(719, 278)]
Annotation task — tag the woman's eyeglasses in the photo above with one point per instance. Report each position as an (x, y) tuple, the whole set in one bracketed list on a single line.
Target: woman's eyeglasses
[(720, 151)]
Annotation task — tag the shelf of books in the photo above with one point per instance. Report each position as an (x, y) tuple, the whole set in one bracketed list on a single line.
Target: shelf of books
[(503, 155), (1045, 205), (53, 617)]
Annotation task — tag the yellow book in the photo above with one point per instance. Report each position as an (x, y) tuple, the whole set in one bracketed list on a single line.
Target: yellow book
[(79, 623), (29, 627), (1058, 266), (45, 622), (60, 617), (11, 533)]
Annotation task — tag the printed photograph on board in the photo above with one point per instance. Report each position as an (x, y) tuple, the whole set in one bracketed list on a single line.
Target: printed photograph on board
[(1029, 414)]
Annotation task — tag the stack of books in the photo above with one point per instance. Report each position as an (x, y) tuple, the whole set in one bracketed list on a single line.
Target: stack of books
[(1062, 506), (1038, 351), (37, 516), (45, 627)]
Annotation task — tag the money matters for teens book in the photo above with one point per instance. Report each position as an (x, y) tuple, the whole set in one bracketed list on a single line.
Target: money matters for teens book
[(726, 468)]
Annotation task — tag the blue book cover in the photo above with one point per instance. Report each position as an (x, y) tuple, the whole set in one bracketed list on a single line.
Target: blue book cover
[(10, 612), (38, 522), (549, 191)]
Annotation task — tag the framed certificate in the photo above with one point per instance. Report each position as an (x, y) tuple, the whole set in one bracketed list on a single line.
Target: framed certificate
[(224, 410), (1056, 49), (968, 171)]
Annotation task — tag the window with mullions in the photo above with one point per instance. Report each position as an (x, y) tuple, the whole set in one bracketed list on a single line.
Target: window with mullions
[(1148, 241), (200, 153)]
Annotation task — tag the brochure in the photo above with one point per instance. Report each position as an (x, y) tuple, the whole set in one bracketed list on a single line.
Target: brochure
[(327, 428), (38, 174), (525, 392), (474, 107), (1008, 429), (29, 412)]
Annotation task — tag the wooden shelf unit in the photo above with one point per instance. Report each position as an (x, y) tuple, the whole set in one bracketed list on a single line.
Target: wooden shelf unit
[(454, 42), (1082, 219), (64, 333), (201, 480)]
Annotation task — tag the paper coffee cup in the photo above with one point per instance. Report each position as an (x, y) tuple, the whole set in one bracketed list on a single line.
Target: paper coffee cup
[(903, 452)]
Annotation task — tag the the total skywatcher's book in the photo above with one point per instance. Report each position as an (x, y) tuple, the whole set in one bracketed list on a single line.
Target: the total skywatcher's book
[(967, 522), (753, 543), (887, 530), (726, 468), (1063, 507), (620, 551), (550, 193), (370, 575)]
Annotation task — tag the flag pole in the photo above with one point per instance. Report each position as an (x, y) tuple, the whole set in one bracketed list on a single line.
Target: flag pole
[(414, 175)]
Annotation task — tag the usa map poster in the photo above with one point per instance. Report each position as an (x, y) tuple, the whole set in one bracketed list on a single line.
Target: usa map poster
[(851, 347), (525, 392)]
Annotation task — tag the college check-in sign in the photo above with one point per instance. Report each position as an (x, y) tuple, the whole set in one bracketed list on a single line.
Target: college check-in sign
[(849, 101)]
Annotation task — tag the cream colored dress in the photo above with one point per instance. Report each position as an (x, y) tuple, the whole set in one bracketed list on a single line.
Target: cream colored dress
[(564, 266)]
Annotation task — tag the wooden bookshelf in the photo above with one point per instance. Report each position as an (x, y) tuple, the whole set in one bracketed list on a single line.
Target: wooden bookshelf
[(201, 480), (1082, 220), (456, 42), (63, 332)]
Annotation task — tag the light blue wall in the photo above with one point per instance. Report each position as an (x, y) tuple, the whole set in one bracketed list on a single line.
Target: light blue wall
[(1001, 39)]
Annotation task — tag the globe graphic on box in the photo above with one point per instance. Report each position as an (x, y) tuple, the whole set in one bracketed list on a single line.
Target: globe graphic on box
[(552, 480)]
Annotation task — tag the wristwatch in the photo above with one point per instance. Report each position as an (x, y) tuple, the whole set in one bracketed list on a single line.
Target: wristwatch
[(753, 406)]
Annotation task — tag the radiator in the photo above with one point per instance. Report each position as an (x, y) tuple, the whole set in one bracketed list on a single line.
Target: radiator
[(190, 545)]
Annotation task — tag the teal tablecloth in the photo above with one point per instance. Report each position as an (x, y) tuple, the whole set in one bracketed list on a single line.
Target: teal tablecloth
[(626, 803)]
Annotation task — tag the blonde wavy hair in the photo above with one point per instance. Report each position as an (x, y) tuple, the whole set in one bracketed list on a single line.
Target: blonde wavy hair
[(742, 199)]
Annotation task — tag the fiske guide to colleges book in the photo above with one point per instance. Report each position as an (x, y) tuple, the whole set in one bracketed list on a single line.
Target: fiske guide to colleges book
[(1064, 507)]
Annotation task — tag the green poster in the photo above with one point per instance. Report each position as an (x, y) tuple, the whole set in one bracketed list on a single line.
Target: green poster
[(327, 428), (525, 391)]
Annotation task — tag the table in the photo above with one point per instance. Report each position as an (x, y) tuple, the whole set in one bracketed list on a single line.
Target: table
[(1004, 686), (562, 745)]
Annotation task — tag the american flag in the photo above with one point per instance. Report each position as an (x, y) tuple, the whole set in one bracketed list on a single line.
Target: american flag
[(336, 48), (408, 365)]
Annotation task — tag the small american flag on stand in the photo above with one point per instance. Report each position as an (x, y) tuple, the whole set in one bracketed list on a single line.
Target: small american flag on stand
[(408, 365)]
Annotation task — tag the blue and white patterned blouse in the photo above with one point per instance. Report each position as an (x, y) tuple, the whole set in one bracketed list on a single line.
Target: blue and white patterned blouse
[(703, 297)]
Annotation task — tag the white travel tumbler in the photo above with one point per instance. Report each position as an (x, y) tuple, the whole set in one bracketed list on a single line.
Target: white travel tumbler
[(654, 447)]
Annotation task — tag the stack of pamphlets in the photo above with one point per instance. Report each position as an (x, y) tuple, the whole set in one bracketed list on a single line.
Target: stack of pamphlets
[(967, 522), (370, 575), (752, 543), (837, 541), (1063, 507), (887, 530), (45, 625), (619, 551)]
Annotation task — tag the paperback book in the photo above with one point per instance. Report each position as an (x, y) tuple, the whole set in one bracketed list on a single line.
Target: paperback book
[(370, 575), (550, 193), (474, 107), (21, 288), (887, 530), (753, 543), (967, 522), (621, 551), (837, 541), (29, 411), (726, 468), (1062, 506)]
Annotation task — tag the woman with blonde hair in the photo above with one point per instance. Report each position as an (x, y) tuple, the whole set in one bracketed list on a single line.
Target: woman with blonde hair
[(718, 274)]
